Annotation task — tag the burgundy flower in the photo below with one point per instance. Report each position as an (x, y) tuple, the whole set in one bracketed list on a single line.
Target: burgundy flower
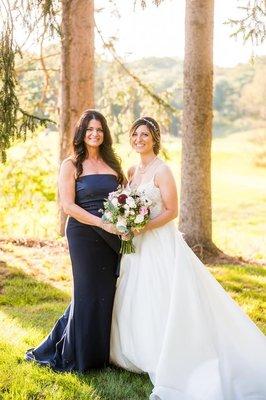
[(122, 198)]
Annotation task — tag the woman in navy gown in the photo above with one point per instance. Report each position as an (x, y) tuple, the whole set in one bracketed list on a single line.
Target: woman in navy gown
[(80, 339)]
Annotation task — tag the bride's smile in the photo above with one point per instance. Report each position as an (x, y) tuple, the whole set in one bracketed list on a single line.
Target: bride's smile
[(141, 140)]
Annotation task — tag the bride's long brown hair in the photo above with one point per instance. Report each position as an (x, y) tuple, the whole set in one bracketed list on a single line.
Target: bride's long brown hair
[(106, 150)]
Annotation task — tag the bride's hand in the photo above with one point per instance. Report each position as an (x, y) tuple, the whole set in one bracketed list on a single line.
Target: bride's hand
[(137, 232)]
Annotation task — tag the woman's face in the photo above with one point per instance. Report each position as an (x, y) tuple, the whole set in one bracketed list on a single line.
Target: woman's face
[(94, 134), (141, 140)]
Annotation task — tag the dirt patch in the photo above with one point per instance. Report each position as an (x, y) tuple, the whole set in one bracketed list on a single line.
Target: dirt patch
[(219, 257), (4, 274), (28, 242), (227, 259), (206, 256)]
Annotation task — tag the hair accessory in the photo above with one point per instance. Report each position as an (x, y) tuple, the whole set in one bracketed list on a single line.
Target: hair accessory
[(151, 123)]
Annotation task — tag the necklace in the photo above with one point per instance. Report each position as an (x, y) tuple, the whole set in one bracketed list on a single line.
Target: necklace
[(142, 169)]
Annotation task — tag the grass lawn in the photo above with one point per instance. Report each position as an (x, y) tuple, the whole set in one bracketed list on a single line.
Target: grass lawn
[(35, 282), (35, 289), (35, 286)]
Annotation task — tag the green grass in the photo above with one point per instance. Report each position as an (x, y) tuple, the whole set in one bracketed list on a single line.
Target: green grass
[(31, 300), (29, 308), (239, 197), (35, 282)]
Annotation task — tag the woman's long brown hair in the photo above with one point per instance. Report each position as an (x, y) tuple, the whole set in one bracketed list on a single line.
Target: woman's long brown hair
[(106, 150)]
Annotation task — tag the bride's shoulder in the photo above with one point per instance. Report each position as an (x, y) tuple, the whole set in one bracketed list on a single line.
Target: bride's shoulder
[(162, 168), (163, 173)]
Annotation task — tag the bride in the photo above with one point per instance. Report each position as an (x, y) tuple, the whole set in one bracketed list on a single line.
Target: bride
[(171, 318)]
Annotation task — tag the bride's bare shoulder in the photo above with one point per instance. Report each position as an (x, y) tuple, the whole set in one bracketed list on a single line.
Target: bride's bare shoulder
[(163, 173), (163, 168)]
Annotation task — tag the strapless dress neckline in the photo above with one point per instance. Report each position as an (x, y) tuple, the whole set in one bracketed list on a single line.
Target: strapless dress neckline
[(84, 176)]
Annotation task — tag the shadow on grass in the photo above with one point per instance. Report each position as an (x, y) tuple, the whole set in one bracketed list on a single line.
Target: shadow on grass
[(247, 279), (35, 306), (22, 380)]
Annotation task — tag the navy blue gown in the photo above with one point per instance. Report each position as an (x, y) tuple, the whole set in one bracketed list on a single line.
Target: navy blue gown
[(80, 339)]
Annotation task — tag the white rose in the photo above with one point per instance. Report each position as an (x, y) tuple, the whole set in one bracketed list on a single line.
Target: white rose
[(139, 218), (126, 213), (114, 201), (111, 195), (131, 202)]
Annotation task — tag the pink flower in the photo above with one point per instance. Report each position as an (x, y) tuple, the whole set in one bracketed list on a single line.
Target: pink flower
[(143, 211)]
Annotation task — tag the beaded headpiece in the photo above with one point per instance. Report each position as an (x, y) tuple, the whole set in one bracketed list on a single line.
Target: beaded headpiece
[(151, 123)]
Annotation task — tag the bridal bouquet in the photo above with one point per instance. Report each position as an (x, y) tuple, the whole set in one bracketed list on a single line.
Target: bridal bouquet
[(127, 208)]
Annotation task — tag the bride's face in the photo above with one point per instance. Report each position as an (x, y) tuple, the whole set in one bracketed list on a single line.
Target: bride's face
[(141, 140)]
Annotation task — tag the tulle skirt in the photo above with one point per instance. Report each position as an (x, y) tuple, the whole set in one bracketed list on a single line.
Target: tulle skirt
[(173, 320)]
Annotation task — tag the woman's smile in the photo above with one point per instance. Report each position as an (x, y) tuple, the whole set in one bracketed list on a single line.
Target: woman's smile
[(141, 139), (94, 133)]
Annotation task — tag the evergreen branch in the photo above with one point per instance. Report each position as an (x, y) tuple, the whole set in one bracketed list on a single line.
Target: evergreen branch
[(14, 121), (41, 119), (252, 25)]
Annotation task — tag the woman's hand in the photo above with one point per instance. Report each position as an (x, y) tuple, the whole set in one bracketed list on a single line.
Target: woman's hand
[(127, 236), (108, 227)]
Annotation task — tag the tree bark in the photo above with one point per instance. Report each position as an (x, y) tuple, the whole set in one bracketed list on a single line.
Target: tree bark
[(77, 71), (196, 212)]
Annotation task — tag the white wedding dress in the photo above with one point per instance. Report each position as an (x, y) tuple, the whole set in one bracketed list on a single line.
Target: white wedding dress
[(173, 320)]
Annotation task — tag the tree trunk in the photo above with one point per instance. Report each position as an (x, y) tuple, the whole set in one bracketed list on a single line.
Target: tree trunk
[(77, 71), (196, 213)]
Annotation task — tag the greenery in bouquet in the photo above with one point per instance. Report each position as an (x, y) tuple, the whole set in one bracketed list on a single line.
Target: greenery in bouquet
[(127, 209)]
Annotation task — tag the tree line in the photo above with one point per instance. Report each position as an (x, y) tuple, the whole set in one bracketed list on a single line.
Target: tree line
[(238, 98), (77, 79)]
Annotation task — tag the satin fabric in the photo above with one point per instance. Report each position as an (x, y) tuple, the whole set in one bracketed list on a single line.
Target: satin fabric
[(80, 339)]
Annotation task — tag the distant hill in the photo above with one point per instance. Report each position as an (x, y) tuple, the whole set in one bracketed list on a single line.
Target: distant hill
[(239, 92)]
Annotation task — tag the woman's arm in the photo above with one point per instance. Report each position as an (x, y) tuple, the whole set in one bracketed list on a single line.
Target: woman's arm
[(66, 185), (165, 181), (130, 173)]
